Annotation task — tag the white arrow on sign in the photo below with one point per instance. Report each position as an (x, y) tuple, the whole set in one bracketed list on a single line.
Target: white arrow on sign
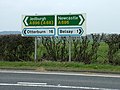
[(38, 32), (81, 19), (70, 31), (26, 18)]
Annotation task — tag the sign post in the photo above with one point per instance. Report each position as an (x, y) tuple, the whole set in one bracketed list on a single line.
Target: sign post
[(35, 57), (71, 25), (70, 43), (35, 25)]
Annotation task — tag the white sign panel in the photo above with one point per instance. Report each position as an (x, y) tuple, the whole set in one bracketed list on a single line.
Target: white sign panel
[(38, 32), (70, 31)]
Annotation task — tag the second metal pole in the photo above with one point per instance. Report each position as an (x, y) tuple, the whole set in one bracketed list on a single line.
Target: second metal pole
[(35, 58), (70, 49)]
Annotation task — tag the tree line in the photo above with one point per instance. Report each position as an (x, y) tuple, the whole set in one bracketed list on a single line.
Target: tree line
[(84, 49)]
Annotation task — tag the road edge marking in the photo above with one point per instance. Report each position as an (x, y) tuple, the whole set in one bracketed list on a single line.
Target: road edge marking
[(58, 73)]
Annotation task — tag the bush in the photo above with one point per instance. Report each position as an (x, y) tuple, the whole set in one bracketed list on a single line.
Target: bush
[(16, 48), (113, 41), (86, 49)]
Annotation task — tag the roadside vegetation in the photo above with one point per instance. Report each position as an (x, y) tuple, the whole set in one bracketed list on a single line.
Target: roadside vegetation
[(60, 66), (95, 51)]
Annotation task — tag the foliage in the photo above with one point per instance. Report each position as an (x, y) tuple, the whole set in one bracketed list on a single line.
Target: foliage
[(56, 48), (94, 48), (113, 41), (15, 48)]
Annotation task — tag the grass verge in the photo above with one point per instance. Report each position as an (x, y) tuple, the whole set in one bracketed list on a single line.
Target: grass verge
[(60, 66)]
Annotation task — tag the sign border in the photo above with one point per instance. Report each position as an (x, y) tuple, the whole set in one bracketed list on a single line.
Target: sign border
[(39, 35), (70, 28)]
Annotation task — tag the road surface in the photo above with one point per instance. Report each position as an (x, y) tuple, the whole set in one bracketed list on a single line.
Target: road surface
[(24, 80)]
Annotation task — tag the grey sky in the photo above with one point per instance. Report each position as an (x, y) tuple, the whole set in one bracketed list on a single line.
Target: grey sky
[(103, 16)]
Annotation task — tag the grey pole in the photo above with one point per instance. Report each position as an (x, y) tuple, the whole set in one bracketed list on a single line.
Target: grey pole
[(35, 58), (70, 49)]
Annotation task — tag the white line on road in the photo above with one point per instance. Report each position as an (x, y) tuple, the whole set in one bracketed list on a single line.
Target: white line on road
[(58, 73), (29, 84)]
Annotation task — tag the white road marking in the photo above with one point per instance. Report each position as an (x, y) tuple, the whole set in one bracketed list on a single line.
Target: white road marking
[(57, 73), (8, 84), (29, 84)]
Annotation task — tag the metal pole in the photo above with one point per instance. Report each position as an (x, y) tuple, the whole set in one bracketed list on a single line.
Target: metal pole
[(69, 49), (35, 58)]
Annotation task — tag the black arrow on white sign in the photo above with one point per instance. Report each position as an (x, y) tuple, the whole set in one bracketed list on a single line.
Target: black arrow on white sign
[(79, 31), (24, 31)]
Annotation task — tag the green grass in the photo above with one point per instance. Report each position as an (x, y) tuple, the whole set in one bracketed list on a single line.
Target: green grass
[(59, 66)]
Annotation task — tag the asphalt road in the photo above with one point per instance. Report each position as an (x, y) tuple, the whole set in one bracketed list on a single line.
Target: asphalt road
[(21, 80)]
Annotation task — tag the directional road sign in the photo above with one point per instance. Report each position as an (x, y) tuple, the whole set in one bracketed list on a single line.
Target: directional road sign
[(70, 31), (71, 24), (38, 32), (38, 25), (54, 25), (45, 20), (70, 20)]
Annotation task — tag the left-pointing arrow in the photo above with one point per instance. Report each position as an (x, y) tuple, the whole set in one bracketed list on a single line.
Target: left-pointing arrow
[(25, 31), (25, 21)]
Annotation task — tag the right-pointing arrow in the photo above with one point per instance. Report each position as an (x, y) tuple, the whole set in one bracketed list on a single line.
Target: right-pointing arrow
[(81, 19), (80, 31)]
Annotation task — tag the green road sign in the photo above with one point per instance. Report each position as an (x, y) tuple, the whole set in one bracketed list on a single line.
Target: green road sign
[(48, 20), (70, 20)]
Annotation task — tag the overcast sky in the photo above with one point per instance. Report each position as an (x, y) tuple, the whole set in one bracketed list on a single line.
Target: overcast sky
[(103, 16)]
